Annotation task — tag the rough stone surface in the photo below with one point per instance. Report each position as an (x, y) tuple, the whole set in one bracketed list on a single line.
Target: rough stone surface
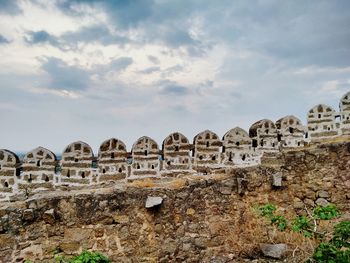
[(28, 214), (323, 194), (273, 250), (49, 216), (322, 202), (277, 179)]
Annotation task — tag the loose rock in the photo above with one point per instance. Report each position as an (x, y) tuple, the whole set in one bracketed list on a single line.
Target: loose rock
[(273, 250), (153, 201)]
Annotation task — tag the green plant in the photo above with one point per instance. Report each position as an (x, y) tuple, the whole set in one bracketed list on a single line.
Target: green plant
[(267, 210), (329, 253), (280, 222), (90, 257), (59, 258), (341, 235), (337, 250), (326, 212), (302, 224)]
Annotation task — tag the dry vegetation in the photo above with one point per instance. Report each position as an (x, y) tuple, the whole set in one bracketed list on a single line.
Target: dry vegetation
[(177, 183), (143, 183), (254, 230)]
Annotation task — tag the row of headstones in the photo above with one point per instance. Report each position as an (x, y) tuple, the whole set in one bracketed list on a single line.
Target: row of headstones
[(41, 170)]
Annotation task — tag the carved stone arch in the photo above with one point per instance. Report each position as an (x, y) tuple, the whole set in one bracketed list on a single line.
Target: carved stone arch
[(76, 163), (145, 145), (112, 160), (290, 131), (78, 149), (40, 154), (344, 104), (320, 108), (207, 148), (112, 148), (204, 136), (145, 154), (176, 152), (344, 107), (321, 122), (9, 168), (264, 135), (38, 168), (174, 139), (236, 137), (257, 127), (8, 158), (287, 122)]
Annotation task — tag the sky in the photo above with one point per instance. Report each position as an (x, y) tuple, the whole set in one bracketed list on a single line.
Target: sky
[(91, 69)]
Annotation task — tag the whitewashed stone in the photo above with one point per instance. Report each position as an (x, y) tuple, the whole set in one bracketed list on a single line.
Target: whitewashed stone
[(153, 201)]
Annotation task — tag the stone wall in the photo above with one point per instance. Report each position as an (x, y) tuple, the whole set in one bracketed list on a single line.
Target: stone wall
[(41, 171), (201, 219)]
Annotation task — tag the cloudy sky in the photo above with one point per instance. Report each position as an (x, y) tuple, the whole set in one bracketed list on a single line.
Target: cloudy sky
[(91, 70)]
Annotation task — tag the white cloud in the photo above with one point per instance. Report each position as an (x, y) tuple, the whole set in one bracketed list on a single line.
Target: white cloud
[(103, 68), (335, 88), (314, 70), (60, 93)]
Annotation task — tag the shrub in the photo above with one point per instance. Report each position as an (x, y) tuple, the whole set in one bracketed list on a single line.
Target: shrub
[(341, 234), (337, 250), (326, 212), (59, 258), (329, 253), (90, 257), (280, 222), (302, 224), (267, 210)]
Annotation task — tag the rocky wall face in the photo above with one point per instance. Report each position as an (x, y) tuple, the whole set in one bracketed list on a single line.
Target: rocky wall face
[(204, 219)]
